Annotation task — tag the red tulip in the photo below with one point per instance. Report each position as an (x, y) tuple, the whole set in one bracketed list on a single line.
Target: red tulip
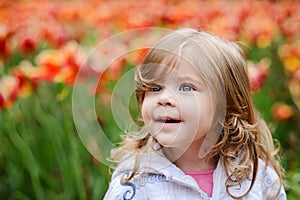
[(1, 101), (25, 73), (9, 91), (258, 73), (4, 40), (287, 15)]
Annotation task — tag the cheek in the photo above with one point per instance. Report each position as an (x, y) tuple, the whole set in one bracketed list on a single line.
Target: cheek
[(201, 114), (146, 110)]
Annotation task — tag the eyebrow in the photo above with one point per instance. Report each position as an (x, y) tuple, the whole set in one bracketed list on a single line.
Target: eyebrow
[(200, 80)]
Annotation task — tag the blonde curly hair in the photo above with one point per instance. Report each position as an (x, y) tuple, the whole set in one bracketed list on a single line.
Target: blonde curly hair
[(244, 135)]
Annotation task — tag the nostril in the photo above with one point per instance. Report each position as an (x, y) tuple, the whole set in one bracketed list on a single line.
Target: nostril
[(165, 103), (168, 104)]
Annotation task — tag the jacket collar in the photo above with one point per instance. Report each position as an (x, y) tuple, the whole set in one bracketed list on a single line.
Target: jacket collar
[(156, 162)]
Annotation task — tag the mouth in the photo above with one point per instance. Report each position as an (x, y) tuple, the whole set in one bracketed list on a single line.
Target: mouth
[(169, 120)]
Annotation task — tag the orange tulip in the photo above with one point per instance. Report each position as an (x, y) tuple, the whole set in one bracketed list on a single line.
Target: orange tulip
[(282, 111), (259, 29), (290, 56)]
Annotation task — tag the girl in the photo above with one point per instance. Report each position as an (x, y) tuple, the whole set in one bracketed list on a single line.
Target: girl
[(201, 137)]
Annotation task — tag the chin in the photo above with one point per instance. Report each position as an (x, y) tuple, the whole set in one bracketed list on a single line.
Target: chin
[(166, 143)]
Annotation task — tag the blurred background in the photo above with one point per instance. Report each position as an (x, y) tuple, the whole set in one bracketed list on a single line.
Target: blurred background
[(43, 44)]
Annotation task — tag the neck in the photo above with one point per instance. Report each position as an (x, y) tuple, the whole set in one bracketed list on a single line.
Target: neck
[(188, 159)]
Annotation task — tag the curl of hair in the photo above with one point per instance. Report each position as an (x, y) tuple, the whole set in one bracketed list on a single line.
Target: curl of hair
[(240, 146)]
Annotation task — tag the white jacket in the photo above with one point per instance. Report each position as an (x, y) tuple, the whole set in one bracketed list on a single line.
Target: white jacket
[(159, 179)]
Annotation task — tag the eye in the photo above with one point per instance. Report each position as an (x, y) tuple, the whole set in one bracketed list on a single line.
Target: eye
[(156, 88), (186, 87)]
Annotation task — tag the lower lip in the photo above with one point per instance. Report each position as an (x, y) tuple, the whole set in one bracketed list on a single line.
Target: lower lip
[(165, 125)]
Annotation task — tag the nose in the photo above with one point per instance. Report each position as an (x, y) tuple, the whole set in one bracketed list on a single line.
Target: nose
[(167, 98)]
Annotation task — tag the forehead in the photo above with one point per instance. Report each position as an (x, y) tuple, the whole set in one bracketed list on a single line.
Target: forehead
[(182, 66), (184, 70)]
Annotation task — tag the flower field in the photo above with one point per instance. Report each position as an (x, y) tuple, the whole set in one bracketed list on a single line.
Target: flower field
[(45, 51)]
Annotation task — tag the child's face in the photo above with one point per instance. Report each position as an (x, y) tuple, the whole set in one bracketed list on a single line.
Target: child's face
[(179, 111)]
